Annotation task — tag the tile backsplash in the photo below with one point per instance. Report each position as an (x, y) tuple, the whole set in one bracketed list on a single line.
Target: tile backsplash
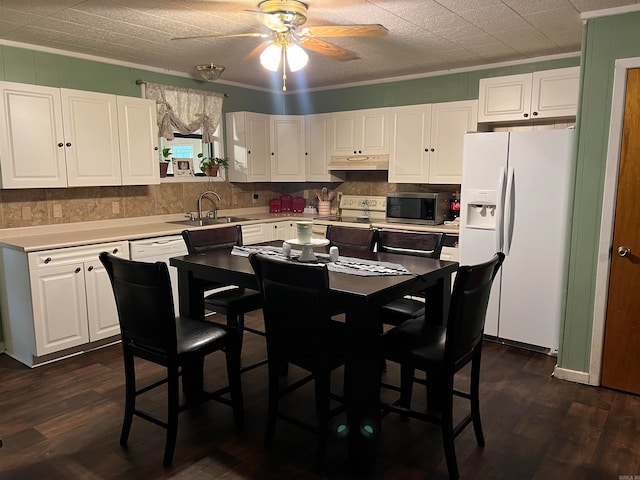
[(35, 207)]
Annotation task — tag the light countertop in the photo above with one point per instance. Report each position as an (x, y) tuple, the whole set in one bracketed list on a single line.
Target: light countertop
[(30, 239)]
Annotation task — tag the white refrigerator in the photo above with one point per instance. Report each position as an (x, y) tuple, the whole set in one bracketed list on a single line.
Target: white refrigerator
[(515, 198)]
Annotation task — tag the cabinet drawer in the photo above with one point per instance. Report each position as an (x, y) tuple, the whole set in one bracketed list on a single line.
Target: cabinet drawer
[(66, 256)]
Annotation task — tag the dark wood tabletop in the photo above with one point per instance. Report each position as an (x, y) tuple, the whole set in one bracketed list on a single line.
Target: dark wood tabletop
[(360, 297)]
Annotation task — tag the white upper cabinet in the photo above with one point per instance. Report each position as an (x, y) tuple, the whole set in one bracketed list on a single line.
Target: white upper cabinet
[(83, 138), (426, 141), (318, 137), (28, 113), (360, 132), (138, 132), (287, 148), (248, 143), (91, 138), (537, 95)]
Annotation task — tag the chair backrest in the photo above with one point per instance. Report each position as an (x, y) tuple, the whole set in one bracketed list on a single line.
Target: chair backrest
[(419, 244), (351, 237), (200, 241), (295, 303), (145, 303), (468, 307)]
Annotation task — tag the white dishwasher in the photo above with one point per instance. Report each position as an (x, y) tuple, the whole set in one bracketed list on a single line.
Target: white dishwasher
[(160, 249)]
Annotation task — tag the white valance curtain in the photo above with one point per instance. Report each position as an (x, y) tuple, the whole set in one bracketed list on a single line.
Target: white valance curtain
[(185, 110)]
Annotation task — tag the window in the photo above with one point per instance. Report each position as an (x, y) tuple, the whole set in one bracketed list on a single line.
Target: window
[(189, 146)]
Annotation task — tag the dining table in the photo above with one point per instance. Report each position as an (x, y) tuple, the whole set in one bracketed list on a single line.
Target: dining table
[(360, 298)]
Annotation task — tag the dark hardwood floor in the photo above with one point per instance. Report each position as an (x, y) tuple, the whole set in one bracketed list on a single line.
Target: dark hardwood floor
[(62, 421)]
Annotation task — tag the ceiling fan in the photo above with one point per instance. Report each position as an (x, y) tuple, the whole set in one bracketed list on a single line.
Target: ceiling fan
[(287, 42)]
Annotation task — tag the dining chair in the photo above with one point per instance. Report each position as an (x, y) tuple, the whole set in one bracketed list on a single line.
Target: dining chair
[(441, 351), (295, 299), (351, 237), (150, 330), (405, 242), (229, 300)]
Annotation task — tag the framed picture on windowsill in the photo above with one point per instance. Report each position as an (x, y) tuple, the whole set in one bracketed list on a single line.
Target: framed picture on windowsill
[(182, 167)]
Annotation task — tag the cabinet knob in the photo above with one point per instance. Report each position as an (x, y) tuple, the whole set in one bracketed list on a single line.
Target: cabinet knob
[(61, 144), (433, 149), (249, 152), (47, 260), (426, 149), (306, 153), (272, 153), (535, 114), (525, 115), (90, 268), (114, 251), (68, 144), (359, 151), (78, 269), (156, 148)]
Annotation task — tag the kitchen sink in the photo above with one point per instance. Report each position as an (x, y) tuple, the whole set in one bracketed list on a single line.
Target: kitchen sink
[(210, 221)]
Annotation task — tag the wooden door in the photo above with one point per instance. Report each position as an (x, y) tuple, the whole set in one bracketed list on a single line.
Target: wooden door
[(621, 360)]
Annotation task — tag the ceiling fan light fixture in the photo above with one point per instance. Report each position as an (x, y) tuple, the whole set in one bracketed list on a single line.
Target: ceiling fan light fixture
[(270, 57), (210, 71), (297, 58)]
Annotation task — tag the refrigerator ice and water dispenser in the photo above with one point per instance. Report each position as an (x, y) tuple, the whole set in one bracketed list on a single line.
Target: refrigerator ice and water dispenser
[(481, 208)]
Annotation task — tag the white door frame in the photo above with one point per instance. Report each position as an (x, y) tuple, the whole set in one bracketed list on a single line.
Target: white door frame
[(608, 215)]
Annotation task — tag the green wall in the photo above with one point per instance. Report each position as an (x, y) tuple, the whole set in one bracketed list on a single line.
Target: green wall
[(605, 40)]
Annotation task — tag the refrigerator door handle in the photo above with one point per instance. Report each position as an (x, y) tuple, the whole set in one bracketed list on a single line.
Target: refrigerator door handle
[(500, 212), (508, 211)]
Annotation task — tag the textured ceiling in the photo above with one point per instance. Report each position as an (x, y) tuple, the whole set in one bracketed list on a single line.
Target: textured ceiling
[(424, 35)]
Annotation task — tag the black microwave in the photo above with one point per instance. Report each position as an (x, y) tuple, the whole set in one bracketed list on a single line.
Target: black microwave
[(420, 208)]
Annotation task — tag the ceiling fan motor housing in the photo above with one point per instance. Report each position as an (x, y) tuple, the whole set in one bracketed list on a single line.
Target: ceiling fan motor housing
[(283, 15)]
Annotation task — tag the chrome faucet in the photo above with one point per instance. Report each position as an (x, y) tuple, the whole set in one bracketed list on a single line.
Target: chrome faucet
[(204, 194)]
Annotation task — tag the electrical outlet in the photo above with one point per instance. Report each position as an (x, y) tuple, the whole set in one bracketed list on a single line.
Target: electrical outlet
[(26, 213), (57, 210), (115, 207), (305, 194)]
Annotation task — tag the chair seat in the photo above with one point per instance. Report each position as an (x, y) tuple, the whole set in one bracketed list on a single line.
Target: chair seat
[(200, 336), (398, 311), (238, 299), (415, 341)]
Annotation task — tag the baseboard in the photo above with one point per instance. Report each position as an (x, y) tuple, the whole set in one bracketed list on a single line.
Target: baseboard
[(2, 347), (571, 375)]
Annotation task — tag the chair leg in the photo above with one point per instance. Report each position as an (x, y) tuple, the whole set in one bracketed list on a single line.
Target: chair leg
[(232, 353), (445, 400), (475, 396), (274, 393), (406, 385), (130, 397), (173, 389), (322, 386)]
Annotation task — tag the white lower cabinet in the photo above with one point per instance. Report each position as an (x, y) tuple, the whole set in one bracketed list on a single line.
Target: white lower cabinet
[(70, 305), (267, 232)]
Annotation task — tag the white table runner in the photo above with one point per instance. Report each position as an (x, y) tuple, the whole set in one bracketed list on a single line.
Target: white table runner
[(349, 265)]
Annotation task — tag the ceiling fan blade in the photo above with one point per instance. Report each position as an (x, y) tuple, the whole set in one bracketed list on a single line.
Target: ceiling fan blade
[(327, 49), (370, 30), (257, 51), (255, 35)]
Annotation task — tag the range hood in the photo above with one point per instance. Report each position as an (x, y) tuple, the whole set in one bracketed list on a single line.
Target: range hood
[(359, 162)]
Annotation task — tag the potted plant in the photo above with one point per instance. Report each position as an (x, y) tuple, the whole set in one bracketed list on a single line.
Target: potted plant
[(164, 162), (211, 165)]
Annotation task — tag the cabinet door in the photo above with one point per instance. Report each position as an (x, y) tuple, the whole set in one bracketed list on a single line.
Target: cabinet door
[(374, 131), (282, 230), (59, 308), (29, 112), (318, 138), (410, 144), (91, 138), (449, 122), (345, 128), (102, 314), (287, 148), (555, 93), (248, 147), (256, 233), (138, 133), (505, 98)]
